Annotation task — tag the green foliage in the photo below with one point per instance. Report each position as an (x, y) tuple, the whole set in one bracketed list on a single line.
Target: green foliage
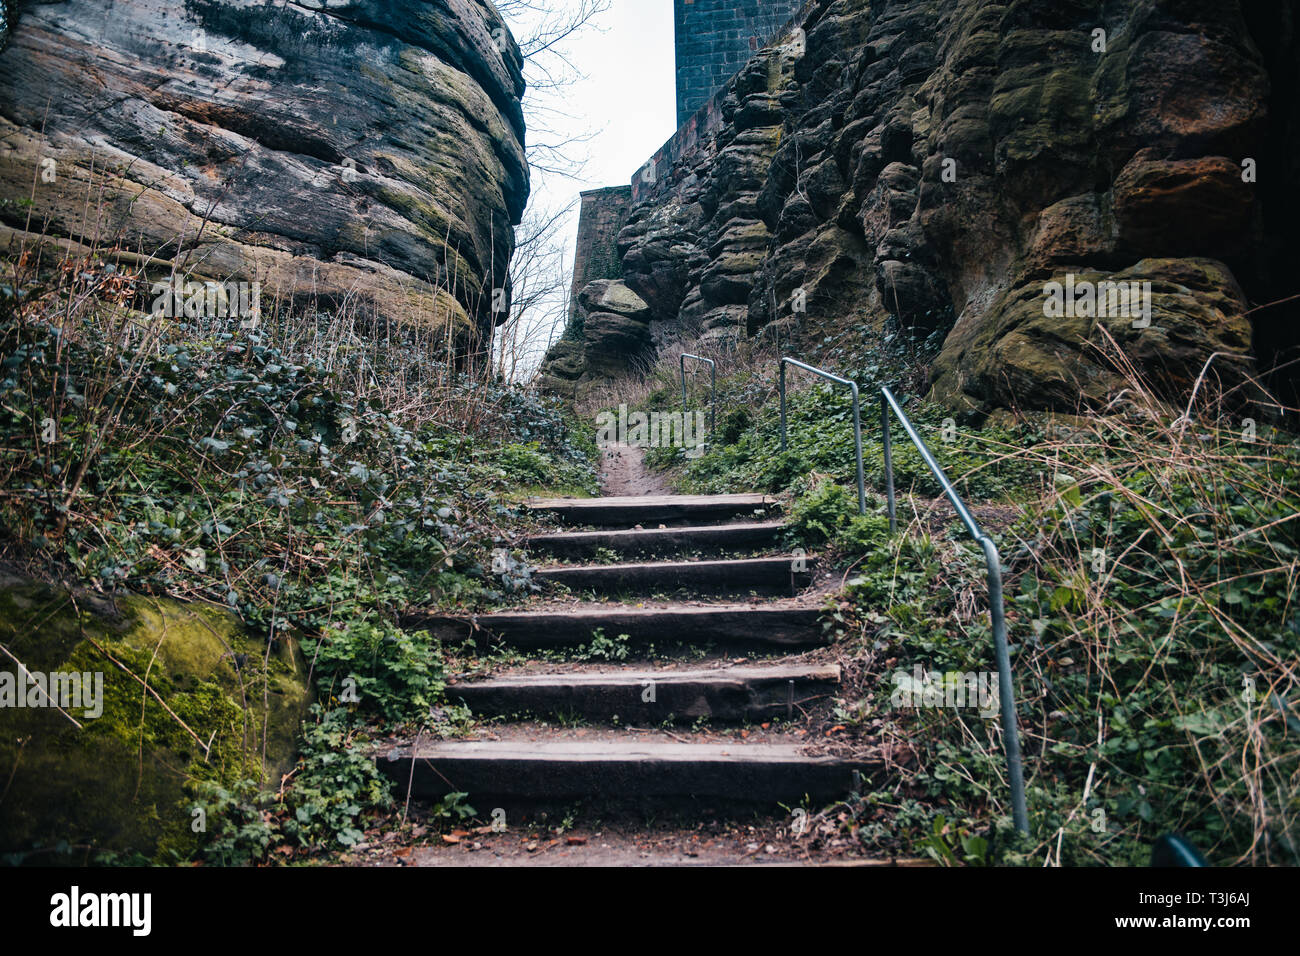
[(396, 674), (184, 464), (820, 441), (951, 848), (828, 513), (334, 786), (602, 648), (453, 808), (526, 465), (239, 829), (1151, 613)]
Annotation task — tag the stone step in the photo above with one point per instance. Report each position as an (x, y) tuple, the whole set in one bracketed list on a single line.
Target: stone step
[(770, 575), (569, 769), (733, 625), (652, 510), (740, 693), (658, 542)]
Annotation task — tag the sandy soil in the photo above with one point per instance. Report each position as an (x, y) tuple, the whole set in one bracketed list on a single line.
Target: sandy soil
[(625, 474)]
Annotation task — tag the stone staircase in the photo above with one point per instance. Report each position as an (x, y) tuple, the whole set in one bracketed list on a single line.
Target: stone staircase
[(669, 588)]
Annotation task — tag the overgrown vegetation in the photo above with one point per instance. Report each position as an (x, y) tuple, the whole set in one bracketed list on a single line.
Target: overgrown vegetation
[(1151, 561), (1151, 604), (315, 475)]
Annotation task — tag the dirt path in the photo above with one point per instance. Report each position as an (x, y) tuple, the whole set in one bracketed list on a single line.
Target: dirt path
[(626, 475)]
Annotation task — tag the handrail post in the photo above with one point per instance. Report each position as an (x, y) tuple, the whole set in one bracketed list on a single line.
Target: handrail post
[(1006, 690), (889, 463), (781, 365), (857, 447), (682, 361), (713, 398), (713, 391)]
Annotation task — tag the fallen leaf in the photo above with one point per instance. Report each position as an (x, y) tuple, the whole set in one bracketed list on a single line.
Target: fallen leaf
[(448, 838), (576, 841)]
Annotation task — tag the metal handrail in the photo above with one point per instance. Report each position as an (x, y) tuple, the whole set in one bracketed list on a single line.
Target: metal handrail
[(1174, 849), (997, 612), (713, 388), (857, 417)]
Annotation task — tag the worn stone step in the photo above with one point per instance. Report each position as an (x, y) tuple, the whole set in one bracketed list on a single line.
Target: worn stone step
[(739, 693), (780, 574), (732, 625), (568, 769), (658, 542), (653, 510)]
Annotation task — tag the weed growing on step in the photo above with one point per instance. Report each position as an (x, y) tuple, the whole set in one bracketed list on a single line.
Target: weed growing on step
[(602, 648)]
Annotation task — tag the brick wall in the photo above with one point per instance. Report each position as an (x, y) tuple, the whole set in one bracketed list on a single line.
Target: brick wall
[(714, 38)]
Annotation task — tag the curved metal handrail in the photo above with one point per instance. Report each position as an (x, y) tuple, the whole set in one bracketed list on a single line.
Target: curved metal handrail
[(713, 387), (1174, 849), (997, 611), (857, 417)]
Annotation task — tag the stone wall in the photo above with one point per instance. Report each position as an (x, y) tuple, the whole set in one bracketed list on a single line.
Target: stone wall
[(602, 215), (714, 38)]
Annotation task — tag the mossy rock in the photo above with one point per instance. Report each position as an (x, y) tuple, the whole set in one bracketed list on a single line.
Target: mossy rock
[(120, 781)]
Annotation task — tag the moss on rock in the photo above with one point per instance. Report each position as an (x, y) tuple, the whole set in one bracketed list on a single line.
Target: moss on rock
[(186, 696)]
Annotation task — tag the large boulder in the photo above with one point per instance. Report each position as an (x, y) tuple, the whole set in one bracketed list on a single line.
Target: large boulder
[(344, 153), (609, 335), (613, 296)]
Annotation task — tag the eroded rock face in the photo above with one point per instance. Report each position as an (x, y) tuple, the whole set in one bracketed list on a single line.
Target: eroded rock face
[(363, 153), (934, 166), (611, 332)]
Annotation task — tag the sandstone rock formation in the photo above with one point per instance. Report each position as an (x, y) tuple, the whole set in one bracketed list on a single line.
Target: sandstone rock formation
[(361, 153), (933, 167), (122, 781), (610, 332)]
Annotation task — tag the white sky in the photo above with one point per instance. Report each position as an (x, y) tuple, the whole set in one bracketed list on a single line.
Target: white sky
[(626, 101), (629, 95)]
